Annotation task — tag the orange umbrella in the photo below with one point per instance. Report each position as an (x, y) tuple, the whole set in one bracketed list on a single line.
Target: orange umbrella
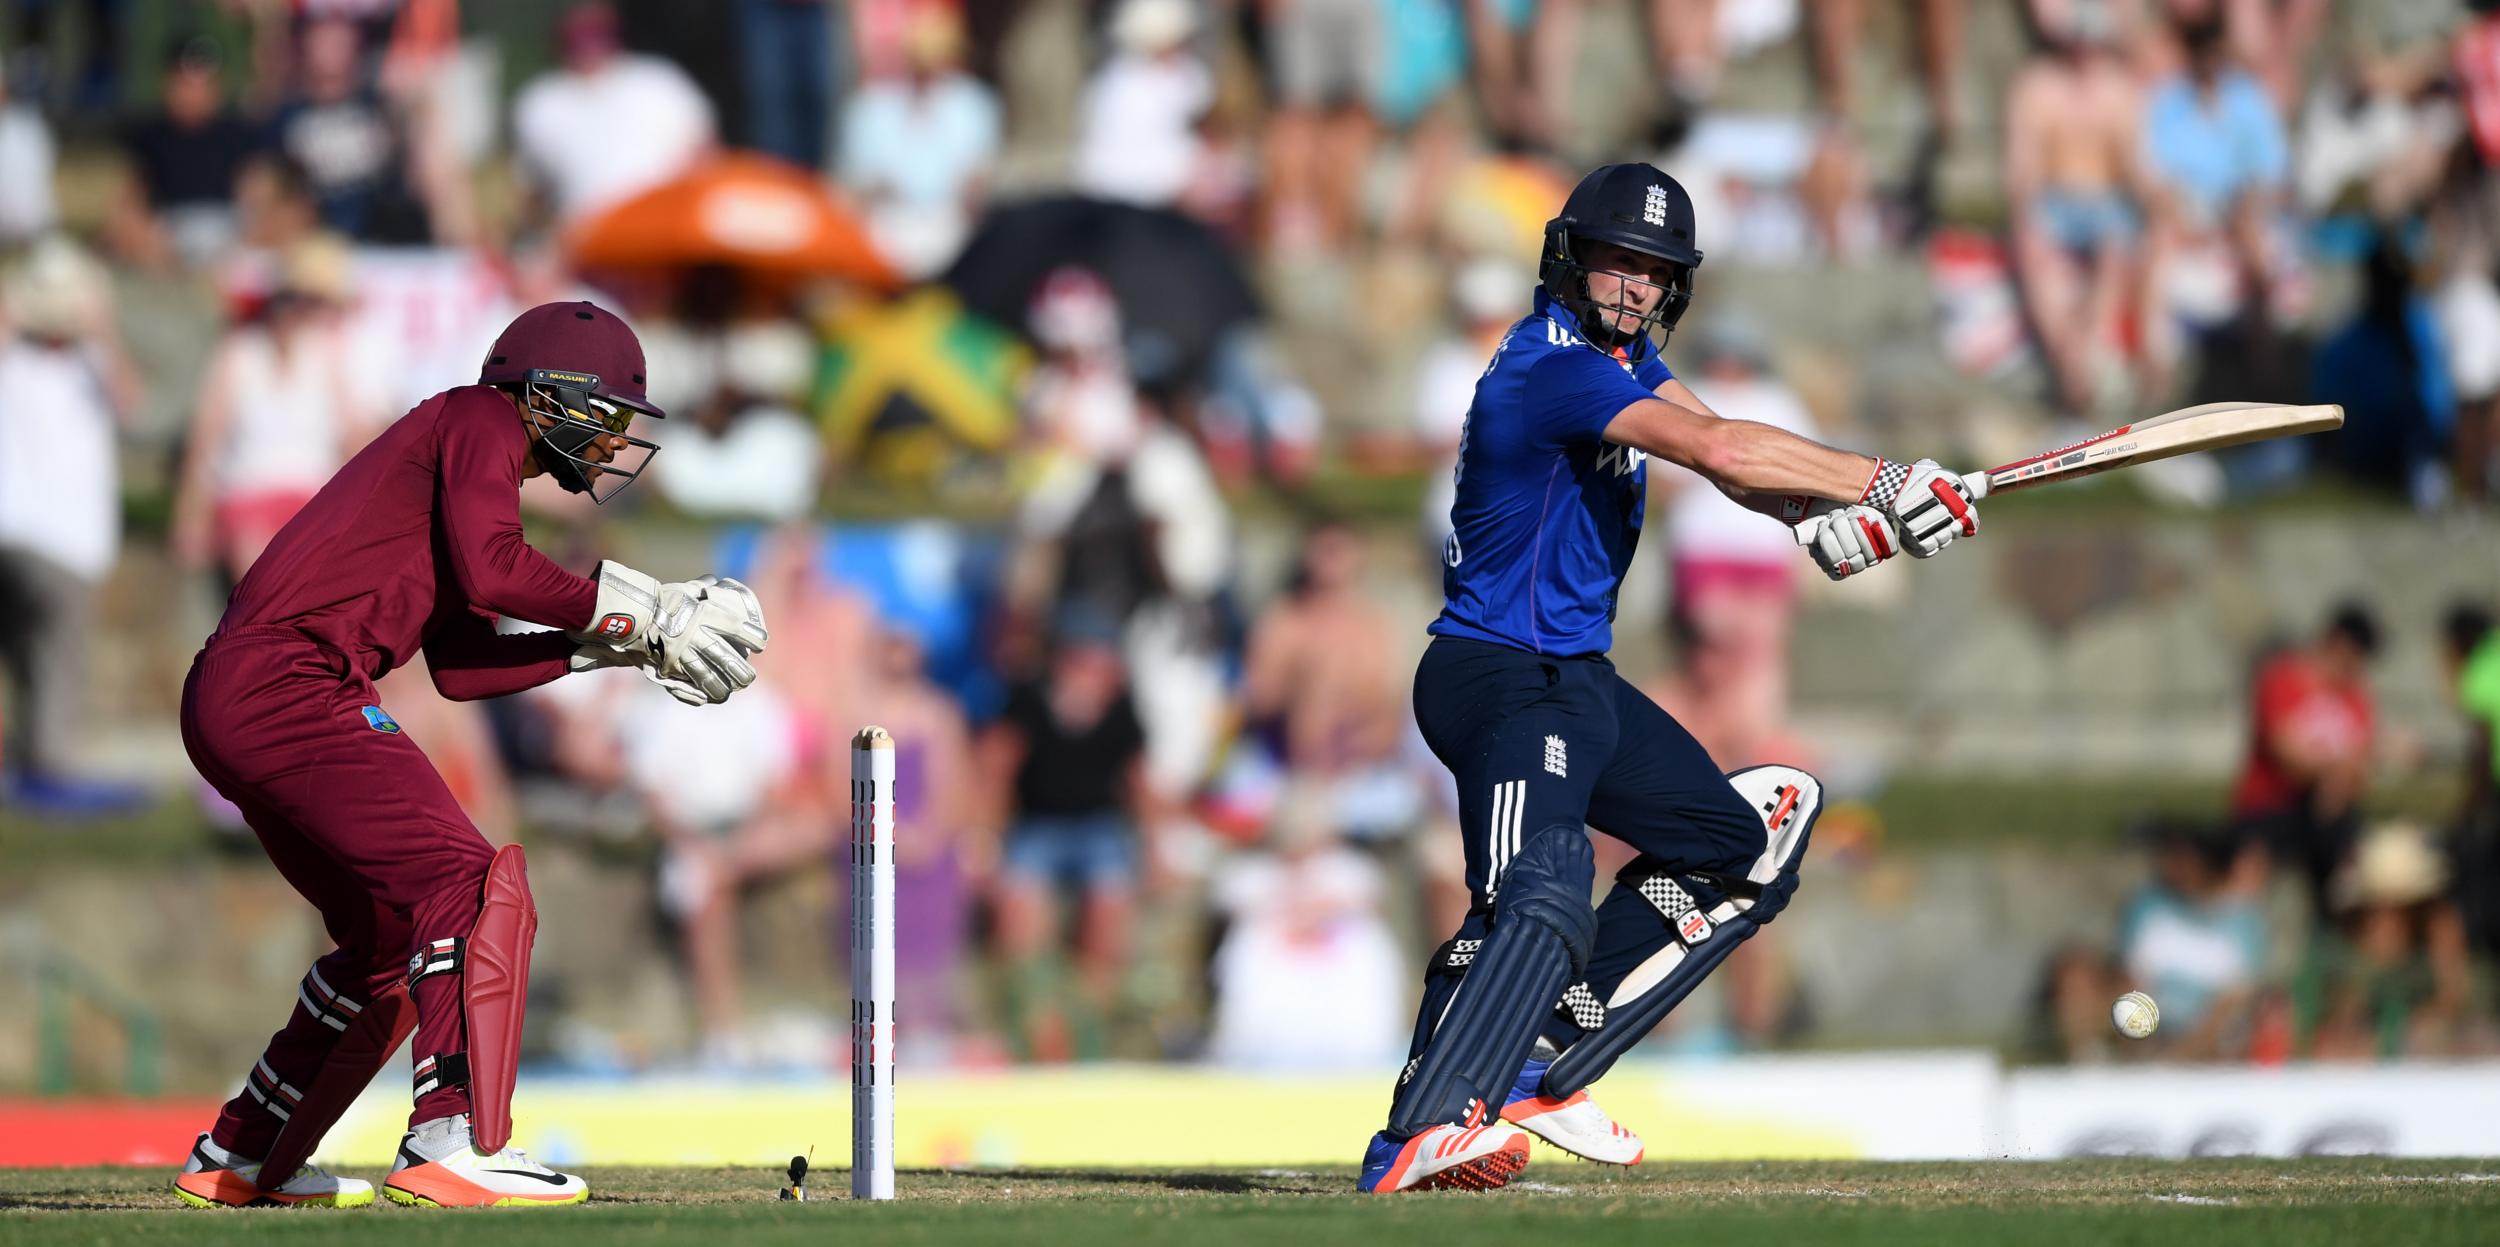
[(745, 211)]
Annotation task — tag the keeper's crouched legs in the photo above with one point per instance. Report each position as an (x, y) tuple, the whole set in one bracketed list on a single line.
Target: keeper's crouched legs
[(1542, 934), (455, 993)]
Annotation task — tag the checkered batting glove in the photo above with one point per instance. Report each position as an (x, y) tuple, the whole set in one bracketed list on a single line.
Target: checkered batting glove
[(1931, 505)]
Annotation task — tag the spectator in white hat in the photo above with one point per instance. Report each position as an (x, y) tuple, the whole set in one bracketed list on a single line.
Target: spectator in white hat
[(2395, 978), (278, 412), (64, 389), (1138, 137)]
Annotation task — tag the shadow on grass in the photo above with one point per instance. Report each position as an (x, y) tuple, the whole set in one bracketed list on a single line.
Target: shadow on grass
[(1169, 1179), (86, 1201)]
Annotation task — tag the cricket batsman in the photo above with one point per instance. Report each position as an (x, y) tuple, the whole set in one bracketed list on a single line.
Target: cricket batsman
[(1537, 994), (416, 545)]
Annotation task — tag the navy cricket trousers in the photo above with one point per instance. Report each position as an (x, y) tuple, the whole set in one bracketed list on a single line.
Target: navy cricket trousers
[(1534, 741)]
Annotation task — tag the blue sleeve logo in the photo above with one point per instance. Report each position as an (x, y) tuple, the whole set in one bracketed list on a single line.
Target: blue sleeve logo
[(380, 720)]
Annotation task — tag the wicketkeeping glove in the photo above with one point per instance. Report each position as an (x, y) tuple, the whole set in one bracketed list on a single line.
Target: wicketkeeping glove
[(692, 637)]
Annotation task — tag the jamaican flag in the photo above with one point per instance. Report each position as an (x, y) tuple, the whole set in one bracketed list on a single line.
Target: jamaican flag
[(917, 390)]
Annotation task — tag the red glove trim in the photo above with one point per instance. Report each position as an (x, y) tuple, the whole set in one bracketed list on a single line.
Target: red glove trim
[(1953, 502)]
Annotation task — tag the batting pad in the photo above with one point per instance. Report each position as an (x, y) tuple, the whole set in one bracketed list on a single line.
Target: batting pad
[(1700, 918), (1541, 938)]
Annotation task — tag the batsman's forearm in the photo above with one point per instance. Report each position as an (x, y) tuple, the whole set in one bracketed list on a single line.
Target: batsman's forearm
[(1773, 505), (1759, 459)]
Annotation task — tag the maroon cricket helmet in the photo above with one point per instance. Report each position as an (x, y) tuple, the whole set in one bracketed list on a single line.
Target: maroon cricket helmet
[(573, 337), (578, 363)]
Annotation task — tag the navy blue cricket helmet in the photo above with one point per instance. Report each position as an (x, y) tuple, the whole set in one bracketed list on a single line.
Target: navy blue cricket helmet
[(1637, 207)]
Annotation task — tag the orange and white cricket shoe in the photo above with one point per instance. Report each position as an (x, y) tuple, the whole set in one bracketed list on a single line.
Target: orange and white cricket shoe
[(1573, 1123), (216, 1178), (1473, 1158), (1576, 1125), (440, 1167)]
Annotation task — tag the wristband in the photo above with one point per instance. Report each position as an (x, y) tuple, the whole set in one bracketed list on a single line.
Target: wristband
[(1884, 486)]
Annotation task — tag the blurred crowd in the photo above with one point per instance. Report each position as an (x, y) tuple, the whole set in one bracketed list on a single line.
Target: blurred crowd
[(2294, 925), (1084, 276), (2175, 190)]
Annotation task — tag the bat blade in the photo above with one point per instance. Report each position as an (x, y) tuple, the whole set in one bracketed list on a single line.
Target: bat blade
[(2210, 426)]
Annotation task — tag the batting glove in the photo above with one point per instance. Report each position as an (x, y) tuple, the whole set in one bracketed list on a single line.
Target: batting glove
[(1930, 505), (1845, 538)]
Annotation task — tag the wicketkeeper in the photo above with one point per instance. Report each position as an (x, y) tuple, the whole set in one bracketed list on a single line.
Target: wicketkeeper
[(417, 544), (1536, 994)]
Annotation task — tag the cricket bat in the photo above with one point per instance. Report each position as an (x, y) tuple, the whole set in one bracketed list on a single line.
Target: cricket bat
[(2182, 432)]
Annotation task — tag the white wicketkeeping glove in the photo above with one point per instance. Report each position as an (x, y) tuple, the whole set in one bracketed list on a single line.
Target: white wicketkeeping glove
[(693, 637), (1931, 505), (600, 657), (729, 599), (628, 601), (1846, 538)]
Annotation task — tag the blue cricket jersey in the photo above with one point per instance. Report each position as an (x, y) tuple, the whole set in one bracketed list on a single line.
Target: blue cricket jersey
[(1548, 512)]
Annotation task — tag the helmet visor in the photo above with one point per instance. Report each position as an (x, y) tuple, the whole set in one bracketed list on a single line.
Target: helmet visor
[(579, 449)]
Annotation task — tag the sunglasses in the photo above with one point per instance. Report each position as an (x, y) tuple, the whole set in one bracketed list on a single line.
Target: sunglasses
[(571, 392)]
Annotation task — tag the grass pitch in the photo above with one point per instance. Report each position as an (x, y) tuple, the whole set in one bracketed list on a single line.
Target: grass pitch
[(2089, 1203)]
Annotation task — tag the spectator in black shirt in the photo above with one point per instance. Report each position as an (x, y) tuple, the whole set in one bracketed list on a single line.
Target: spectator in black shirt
[(382, 174), (1069, 756), (178, 205)]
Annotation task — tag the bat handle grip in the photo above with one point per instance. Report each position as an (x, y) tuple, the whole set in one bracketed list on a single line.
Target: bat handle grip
[(1976, 483)]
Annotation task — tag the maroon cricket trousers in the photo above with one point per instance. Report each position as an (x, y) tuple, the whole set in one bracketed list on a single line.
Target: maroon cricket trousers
[(355, 817)]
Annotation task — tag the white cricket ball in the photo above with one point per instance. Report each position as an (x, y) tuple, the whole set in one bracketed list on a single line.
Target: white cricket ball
[(2135, 1015)]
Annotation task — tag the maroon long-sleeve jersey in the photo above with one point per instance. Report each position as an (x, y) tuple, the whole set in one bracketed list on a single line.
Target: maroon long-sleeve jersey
[(417, 543)]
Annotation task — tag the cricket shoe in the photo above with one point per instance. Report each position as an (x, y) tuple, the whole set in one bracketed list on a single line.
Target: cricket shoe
[(439, 1166), (1470, 1158), (217, 1178), (1573, 1123)]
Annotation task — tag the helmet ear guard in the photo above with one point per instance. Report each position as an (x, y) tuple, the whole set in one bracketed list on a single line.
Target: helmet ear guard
[(582, 412)]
